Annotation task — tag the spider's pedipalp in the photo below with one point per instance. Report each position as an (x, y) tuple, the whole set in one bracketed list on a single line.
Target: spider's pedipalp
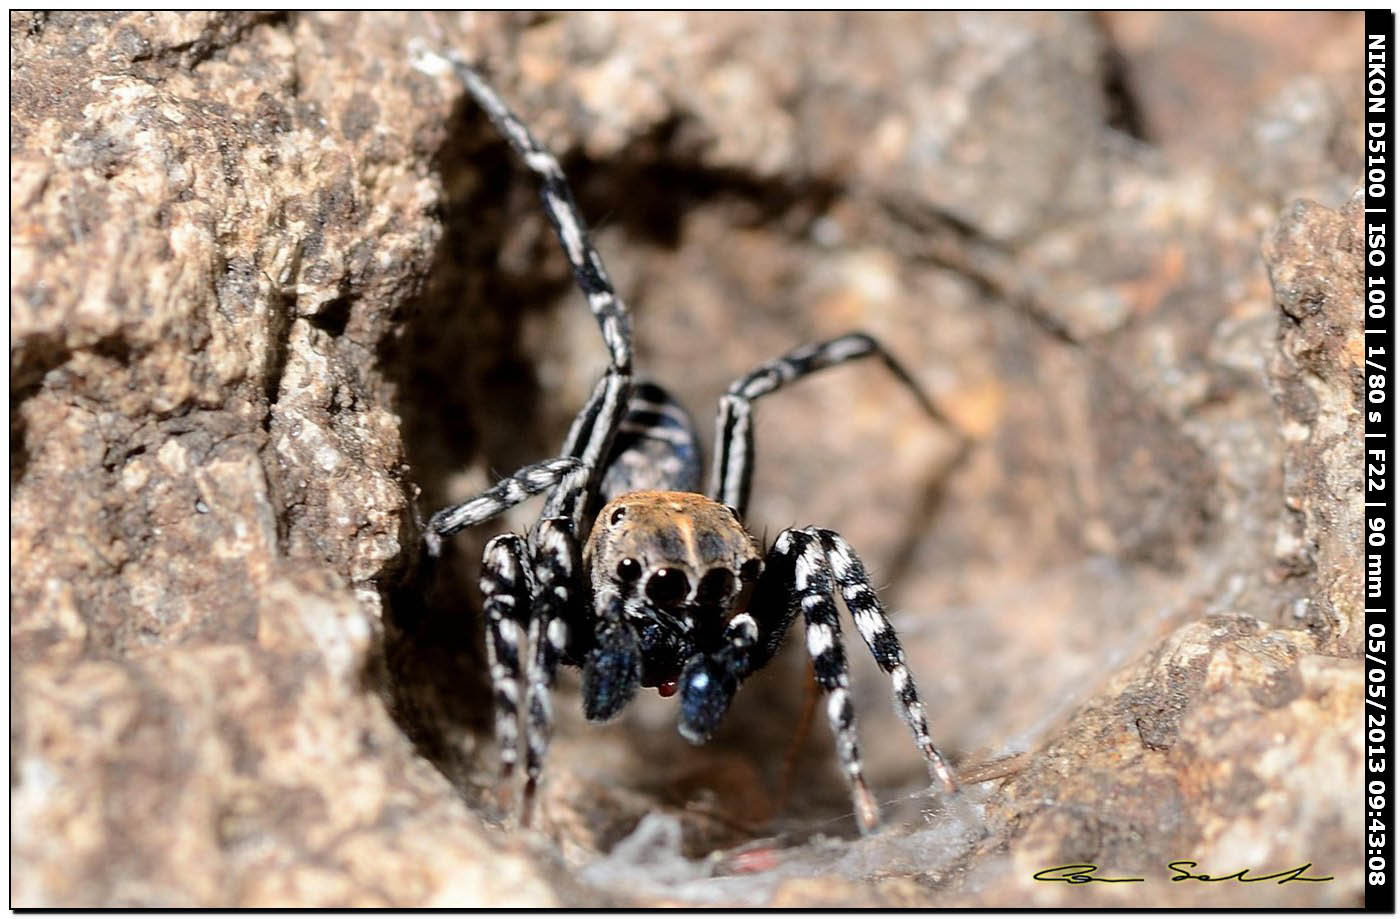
[(708, 682), (874, 627), (612, 670)]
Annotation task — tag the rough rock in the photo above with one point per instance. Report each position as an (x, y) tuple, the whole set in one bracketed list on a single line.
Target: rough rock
[(261, 773), (1314, 257), (277, 294), (211, 227), (1203, 750)]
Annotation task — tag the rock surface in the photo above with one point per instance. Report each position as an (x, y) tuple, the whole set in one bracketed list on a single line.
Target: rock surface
[(276, 294)]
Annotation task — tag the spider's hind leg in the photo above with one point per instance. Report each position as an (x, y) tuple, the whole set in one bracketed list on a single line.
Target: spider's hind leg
[(734, 444)]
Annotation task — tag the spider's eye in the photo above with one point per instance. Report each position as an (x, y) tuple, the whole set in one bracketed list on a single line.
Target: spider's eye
[(668, 587), (750, 570), (616, 515), (733, 510), (629, 569), (715, 585)]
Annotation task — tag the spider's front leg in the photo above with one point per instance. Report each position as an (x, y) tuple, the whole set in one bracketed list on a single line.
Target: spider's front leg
[(557, 615), (811, 592), (506, 590), (823, 560), (801, 572), (879, 636)]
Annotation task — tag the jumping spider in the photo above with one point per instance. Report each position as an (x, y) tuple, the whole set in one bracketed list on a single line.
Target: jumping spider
[(633, 575)]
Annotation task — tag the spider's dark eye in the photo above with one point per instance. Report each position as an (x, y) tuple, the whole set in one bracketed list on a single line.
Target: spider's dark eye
[(668, 587), (616, 515), (750, 570), (629, 569), (733, 510), (715, 585)]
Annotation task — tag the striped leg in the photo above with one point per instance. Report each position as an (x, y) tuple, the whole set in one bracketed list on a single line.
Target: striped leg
[(593, 431), (505, 588), (608, 309), (879, 636), (499, 498), (812, 586), (589, 440), (734, 446), (557, 613), (560, 612)]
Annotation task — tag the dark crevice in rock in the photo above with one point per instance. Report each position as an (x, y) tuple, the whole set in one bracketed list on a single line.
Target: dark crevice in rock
[(281, 307), (464, 391), (654, 182), (1124, 111), (28, 366), (333, 317), (224, 33)]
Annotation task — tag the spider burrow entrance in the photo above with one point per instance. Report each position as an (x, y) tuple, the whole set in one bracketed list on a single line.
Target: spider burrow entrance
[(663, 587)]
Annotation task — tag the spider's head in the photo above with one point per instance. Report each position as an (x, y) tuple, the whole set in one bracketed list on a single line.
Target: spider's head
[(682, 566)]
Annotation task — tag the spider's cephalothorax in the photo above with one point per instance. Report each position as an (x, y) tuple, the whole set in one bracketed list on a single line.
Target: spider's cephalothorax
[(634, 576)]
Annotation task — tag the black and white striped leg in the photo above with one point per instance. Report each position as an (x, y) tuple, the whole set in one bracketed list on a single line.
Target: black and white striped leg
[(734, 443), (596, 426), (556, 613), (558, 607), (812, 591), (505, 589), (874, 627), (608, 309), (501, 497), (589, 439)]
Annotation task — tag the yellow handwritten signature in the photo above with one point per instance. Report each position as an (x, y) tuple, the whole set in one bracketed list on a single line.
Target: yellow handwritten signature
[(1182, 871)]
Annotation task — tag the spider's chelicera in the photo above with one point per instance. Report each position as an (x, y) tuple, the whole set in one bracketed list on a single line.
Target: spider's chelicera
[(632, 574)]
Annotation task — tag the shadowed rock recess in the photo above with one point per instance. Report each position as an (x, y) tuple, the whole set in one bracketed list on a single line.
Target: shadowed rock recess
[(276, 295)]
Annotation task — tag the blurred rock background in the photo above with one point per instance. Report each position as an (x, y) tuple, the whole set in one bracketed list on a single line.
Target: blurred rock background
[(276, 295)]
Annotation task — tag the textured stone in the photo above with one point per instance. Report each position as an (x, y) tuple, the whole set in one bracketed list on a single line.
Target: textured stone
[(1315, 261), (1204, 749), (276, 295)]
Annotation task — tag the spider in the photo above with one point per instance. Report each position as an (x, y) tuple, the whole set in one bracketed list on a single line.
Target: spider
[(633, 575)]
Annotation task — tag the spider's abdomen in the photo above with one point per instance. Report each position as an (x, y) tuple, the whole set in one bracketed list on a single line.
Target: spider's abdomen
[(656, 448)]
